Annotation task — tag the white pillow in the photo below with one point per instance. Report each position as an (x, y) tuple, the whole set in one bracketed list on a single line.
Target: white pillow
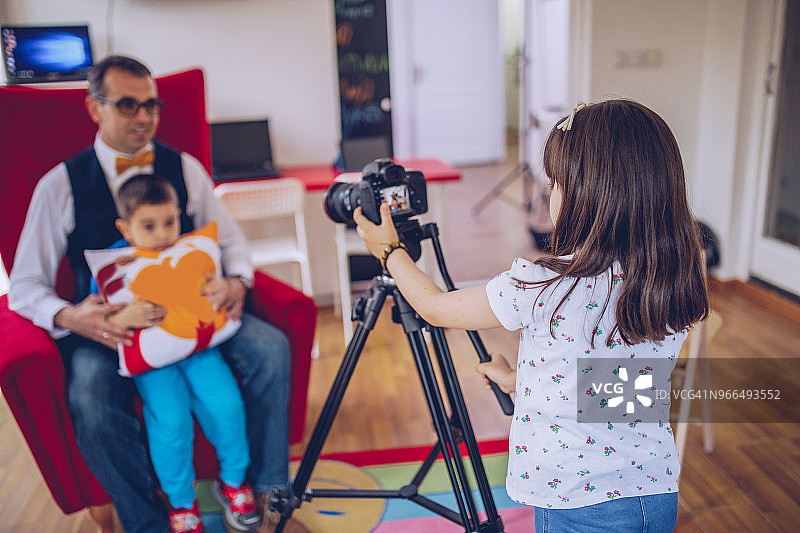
[(171, 278)]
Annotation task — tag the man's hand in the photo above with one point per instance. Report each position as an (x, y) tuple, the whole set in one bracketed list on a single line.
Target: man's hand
[(226, 294), (90, 319)]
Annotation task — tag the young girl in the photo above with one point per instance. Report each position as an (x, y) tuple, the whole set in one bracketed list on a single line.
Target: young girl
[(625, 280)]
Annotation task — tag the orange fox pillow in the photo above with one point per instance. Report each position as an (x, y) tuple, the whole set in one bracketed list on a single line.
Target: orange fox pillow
[(171, 278)]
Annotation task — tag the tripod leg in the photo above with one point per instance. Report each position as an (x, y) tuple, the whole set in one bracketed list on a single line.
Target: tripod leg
[(497, 190), (287, 503), (412, 325), (449, 446), (461, 417), (523, 170), (527, 187)]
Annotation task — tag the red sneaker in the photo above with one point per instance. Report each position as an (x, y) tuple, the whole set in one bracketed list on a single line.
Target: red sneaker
[(186, 520), (239, 505)]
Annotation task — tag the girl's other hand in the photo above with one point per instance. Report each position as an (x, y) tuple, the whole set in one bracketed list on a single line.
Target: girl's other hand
[(499, 371), (376, 238), (138, 315), (226, 294)]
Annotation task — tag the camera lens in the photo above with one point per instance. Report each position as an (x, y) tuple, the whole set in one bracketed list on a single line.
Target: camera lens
[(341, 199)]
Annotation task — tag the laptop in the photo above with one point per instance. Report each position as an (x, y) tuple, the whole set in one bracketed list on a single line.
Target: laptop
[(241, 150), (36, 54), (357, 152)]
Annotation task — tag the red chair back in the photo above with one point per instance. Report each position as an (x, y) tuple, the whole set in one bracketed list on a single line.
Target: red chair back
[(44, 126)]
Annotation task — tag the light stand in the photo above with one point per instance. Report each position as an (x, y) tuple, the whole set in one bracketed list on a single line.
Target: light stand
[(522, 170), (450, 430)]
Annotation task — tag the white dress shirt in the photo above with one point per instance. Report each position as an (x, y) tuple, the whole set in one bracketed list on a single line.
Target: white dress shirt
[(51, 218)]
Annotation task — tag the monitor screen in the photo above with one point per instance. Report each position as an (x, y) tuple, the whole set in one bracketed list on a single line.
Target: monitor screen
[(33, 54), (358, 151)]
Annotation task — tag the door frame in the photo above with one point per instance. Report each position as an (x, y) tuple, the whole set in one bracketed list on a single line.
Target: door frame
[(770, 259)]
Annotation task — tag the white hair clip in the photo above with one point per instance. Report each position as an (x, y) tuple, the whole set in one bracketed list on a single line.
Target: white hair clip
[(566, 124)]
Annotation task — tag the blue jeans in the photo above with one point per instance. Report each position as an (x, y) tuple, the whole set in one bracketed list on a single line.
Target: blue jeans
[(110, 436), (656, 513), (202, 384)]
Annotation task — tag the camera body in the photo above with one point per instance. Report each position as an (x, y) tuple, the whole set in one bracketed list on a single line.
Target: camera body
[(382, 181), (385, 181)]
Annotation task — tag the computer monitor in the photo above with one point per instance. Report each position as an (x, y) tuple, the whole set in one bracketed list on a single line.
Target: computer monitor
[(241, 150), (34, 54), (357, 152)]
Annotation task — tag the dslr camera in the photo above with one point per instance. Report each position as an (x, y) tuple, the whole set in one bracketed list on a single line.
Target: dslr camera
[(381, 181)]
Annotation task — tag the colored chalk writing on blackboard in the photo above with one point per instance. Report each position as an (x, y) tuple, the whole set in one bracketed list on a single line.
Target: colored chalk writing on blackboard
[(363, 64)]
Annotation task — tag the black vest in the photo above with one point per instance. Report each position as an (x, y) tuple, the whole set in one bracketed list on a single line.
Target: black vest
[(96, 211)]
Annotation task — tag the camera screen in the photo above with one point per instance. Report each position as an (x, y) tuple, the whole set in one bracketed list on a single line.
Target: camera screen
[(397, 198)]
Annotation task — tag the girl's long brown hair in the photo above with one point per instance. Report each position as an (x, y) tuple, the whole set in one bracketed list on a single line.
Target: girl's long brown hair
[(624, 199)]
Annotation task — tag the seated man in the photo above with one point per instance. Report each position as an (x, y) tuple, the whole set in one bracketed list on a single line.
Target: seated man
[(72, 210)]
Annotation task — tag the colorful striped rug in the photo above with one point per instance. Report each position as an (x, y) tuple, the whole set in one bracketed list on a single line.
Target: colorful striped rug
[(389, 469)]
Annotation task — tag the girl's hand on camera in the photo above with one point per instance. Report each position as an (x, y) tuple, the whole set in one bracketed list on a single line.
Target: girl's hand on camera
[(376, 238)]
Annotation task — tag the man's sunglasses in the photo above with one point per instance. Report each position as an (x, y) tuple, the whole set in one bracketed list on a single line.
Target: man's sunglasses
[(130, 106)]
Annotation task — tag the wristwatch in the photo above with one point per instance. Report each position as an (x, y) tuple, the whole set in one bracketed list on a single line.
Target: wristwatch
[(247, 282)]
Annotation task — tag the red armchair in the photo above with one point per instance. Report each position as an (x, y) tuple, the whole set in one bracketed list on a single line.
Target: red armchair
[(42, 127)]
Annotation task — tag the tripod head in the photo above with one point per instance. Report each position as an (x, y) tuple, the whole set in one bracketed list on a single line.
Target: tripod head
[(411, 234)]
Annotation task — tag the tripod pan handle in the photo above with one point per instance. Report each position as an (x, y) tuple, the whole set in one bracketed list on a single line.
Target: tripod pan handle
[(503, 399)]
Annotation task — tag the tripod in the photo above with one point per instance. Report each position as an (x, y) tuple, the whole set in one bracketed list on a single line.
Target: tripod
[(523, 170), (448, 430)]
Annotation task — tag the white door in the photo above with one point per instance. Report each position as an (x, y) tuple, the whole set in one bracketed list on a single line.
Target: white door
[(776, 250), (451, 59)]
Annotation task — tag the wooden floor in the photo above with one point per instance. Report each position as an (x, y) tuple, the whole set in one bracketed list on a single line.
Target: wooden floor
[(750, 482)]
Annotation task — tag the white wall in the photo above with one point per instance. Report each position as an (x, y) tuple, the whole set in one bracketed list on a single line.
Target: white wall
[(676, 29), (271, 58), (686, 60)]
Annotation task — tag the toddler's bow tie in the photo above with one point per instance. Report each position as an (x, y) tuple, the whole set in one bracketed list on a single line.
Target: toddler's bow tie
[(141, 160)]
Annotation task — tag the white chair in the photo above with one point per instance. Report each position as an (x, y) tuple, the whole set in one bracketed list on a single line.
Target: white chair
[(694, 352), (347, 243), (256, 205)]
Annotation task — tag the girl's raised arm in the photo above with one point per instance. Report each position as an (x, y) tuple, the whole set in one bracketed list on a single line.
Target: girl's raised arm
[(463, 309)]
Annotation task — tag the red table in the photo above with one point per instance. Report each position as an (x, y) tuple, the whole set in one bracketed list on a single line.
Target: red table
[(319, 177)]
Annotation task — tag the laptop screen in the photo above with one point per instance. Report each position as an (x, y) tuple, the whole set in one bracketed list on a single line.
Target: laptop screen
[(33, 54), (240, 145)]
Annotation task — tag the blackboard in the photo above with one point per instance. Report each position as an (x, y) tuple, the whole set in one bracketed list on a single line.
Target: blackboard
[(363, 62)]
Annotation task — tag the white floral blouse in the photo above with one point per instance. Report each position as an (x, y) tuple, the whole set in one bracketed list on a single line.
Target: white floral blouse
[(555, 461)]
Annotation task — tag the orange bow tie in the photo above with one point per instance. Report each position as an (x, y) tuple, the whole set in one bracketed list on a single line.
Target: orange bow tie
[(141, 160)]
